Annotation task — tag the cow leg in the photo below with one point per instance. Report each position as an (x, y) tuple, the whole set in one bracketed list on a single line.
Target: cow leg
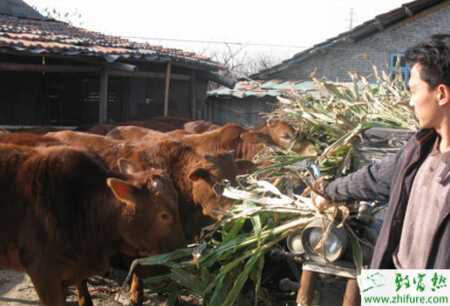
[(84, 298), (136, 290), (137, 285), (50, 290)]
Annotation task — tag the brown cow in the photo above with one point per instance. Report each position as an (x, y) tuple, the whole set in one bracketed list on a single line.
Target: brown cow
[(200, 126), (28, 139), (281, 134), (219, 140), (162, 124), (98, 129), (246, 142), (64, 215), (137, 133), (195, 177)]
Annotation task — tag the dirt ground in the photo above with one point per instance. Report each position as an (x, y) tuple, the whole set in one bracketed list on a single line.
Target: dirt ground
[(17, 289)]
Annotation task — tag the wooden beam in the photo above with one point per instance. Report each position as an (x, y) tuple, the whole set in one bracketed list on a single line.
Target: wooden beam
[(305, 294), (167, 89), (103, 101), (210, 110), (18, 67), (352, 296), (194, 95), (150, 75)]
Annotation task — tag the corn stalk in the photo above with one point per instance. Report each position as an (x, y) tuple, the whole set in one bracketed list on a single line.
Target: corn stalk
[(267, 208)]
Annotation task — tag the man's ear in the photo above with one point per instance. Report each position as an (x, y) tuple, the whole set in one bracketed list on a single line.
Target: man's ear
[(126, 166), (122, 190), (443, 94), (199, 173)]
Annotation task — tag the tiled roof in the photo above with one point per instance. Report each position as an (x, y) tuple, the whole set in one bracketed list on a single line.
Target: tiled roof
[(259, 89), (19, 8), (50, 37)]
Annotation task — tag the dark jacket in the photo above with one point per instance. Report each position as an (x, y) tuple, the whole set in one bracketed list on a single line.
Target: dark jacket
[(391, 180)]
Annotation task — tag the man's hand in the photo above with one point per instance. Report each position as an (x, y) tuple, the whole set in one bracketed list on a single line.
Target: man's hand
[(320, 202), (317, 193)]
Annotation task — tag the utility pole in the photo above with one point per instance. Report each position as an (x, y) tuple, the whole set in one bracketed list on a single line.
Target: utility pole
[(351, 20)]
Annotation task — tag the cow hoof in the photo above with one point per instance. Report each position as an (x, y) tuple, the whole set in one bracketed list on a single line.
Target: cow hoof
[(136, 302)]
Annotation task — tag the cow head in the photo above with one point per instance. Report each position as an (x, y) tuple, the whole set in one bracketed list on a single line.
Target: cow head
[(149, 219), (207, 177), (281, 133), (285, 136)]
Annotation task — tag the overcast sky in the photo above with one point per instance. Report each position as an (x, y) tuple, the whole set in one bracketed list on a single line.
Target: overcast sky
[(282, 22)]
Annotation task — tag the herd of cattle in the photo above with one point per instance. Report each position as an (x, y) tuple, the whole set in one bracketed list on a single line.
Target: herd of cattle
[(72, 201)]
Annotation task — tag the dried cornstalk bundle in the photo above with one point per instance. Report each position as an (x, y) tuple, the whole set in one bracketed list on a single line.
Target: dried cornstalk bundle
[(268, 207)]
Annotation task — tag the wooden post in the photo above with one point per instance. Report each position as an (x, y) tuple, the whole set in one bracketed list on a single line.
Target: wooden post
[(305, 294), (194, 95), (103, 97), (167, 89), (352, 296)]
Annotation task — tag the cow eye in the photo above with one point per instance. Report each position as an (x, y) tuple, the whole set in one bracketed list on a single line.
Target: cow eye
[(165, 217)]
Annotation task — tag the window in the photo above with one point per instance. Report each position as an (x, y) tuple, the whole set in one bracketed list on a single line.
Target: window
[(397, 64)]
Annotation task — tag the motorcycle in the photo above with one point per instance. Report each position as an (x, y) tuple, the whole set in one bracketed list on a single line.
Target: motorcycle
[(337, 259)]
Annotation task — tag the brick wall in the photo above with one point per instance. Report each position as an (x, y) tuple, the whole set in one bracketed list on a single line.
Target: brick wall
[(334, 62)]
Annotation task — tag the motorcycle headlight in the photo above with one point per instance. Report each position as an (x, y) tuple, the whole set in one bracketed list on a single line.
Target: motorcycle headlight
[(294, 243), (331, 249)]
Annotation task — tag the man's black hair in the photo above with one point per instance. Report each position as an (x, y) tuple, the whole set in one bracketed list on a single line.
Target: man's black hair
[(434, 57)]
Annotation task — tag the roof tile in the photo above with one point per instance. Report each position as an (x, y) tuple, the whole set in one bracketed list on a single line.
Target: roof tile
[(56, 37)]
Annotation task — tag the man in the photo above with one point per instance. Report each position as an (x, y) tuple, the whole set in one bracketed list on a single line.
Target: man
[(416, 181)]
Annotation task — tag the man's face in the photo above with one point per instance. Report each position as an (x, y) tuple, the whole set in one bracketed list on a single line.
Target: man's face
[(423, 99)]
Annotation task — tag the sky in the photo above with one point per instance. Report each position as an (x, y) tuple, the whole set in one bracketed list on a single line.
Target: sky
[(292, 25)]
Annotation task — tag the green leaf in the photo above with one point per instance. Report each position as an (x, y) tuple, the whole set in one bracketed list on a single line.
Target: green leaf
[(240, 281)]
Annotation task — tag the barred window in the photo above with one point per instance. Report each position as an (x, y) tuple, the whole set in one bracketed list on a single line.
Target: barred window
[(397, 64)]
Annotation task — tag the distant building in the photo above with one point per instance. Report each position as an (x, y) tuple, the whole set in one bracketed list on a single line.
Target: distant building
[(380, 42), (248, 100)]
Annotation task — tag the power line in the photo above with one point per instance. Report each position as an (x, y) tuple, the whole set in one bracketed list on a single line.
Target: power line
[(217, 42)]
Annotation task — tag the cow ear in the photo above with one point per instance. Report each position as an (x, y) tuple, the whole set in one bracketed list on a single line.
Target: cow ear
[(216, 158), (122, 190), (245, 166), (199, 173), (126, 166), (255, 137), (271, 122)]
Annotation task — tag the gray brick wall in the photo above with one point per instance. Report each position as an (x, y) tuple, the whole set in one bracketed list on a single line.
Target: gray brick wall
[(359, 56)]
